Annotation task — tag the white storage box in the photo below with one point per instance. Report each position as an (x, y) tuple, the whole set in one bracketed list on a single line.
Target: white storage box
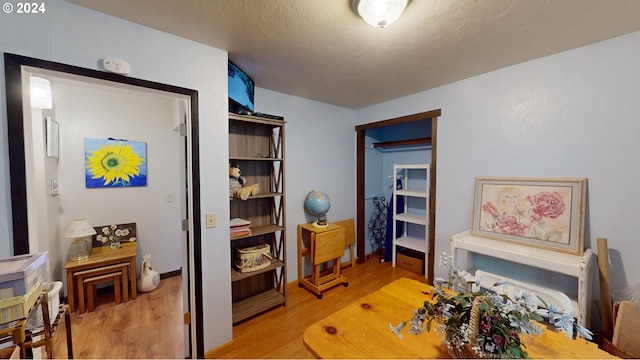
[(20, 274), (36, 320)]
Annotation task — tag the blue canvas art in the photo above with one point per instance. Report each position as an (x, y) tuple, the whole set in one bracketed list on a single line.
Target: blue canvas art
[(115, 163)]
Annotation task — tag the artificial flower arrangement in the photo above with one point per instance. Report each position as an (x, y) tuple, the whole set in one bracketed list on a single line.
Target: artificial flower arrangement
[(482, 323)]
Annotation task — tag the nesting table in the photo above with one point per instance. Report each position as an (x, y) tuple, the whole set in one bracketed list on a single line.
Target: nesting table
[(102, 260)]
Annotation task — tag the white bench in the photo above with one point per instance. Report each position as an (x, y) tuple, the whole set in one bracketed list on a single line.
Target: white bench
[(512, 287), (579, 267)]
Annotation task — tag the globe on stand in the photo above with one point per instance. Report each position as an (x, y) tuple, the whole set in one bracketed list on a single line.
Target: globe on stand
[(318, 204)]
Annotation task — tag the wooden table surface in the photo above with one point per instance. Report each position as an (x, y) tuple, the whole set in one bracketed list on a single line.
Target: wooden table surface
[(361, 330), (103, 256)]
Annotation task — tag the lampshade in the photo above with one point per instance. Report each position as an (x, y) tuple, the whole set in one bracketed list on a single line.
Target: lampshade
[(40, 90), (79, 228), (80, 248), (380, 13)]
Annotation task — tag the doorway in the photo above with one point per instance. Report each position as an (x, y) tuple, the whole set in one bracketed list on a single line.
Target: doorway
[(28, 227), (361, 171)]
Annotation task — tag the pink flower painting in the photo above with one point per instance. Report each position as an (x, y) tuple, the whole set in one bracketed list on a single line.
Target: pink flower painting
[(508, 224), (546, 204), (536, 212)]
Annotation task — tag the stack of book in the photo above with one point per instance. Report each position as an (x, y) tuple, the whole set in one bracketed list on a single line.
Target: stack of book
[(240, 227)]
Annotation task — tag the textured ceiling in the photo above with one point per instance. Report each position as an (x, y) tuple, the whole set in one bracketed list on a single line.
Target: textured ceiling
[(322, 51)]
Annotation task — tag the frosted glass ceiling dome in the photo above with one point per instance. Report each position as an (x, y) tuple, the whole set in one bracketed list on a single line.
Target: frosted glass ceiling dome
[(380, 13)]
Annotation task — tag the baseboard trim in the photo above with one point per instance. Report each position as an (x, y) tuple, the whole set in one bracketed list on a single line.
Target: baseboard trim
[(171, 274), (222, 349)]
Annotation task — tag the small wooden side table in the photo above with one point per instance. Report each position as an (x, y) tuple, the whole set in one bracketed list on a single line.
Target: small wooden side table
[(104, 257), (325, 244)]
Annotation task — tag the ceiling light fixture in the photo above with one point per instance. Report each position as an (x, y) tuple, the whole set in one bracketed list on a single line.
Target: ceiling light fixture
[(379, 13)]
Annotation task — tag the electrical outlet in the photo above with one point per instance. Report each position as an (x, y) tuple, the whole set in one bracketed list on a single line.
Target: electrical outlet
[(211, 220)]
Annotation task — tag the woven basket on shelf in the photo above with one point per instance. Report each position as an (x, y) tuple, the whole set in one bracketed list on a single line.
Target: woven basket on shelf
[(253, 258)]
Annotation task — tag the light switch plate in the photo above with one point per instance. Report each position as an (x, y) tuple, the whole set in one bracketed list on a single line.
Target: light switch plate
[(211, 220), (54, 187)]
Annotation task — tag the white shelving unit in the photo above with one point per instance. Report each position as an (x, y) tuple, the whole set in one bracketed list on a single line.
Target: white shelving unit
[(576, 266), (416, 180)]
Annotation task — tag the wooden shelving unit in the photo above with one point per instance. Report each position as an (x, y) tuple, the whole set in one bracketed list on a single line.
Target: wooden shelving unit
[(257, 145)]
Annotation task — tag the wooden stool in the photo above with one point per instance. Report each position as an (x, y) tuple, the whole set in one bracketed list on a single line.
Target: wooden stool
[(79, 277), (90, 284)]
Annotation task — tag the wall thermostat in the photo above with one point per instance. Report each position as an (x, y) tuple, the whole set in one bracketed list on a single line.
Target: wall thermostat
[(117, 66)]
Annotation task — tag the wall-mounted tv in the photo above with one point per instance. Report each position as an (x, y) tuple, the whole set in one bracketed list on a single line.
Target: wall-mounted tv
[(241, 88)]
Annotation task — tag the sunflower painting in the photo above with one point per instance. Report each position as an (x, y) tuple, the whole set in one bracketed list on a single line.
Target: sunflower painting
[(115, 163)]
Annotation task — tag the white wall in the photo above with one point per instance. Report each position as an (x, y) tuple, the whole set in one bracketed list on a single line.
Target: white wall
[(43, 208), (573, 114), (73, 35), (101, 113), (91, 111), (319, 155)]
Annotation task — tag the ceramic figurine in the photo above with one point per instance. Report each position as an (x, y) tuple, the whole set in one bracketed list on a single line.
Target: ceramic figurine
[(149, 279)]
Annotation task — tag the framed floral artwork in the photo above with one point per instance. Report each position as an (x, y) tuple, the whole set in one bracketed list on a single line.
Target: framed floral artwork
[(538, 212), (121, 233), (115, 163)]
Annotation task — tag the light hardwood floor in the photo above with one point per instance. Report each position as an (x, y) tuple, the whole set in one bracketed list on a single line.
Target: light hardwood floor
[(277, 334), (151, 325)]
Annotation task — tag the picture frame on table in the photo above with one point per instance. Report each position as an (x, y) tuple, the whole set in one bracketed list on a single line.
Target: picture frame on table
[(545, 213), (131, 237)]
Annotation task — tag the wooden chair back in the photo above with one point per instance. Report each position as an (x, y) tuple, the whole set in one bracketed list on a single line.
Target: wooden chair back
[(349, 237)]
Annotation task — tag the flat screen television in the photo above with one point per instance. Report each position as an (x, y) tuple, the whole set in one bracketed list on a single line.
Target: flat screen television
[(241, 88)]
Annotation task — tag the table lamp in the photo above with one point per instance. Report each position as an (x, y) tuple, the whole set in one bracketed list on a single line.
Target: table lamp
[(78, 230)]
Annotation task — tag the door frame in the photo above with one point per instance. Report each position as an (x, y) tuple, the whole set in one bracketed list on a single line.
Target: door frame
[(15, 125), (360, 180)]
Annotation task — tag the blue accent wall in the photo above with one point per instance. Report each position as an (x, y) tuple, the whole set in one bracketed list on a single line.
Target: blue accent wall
[(379, 162)]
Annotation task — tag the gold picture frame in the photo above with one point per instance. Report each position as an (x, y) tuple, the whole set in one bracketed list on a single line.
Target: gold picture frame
[(540, 212)]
